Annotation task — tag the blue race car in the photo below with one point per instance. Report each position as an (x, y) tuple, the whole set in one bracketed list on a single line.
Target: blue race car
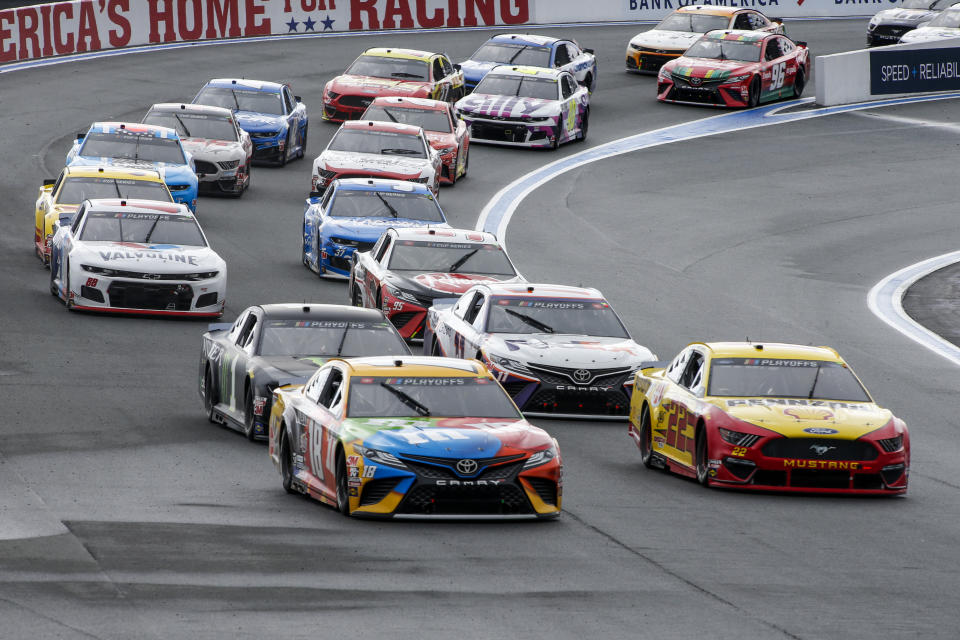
[(275, 118), (531, 51), (352, 214), (139, 146)]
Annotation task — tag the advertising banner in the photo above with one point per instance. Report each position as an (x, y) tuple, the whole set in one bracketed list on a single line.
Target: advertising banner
[(914, 71)]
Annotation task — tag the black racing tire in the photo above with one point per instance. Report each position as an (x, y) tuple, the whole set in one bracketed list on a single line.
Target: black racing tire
[(754, 95), (286, 462), (282, 160), (343, 497), (53, 284), (584, 126), (556, 137), (355, 298), (799, 82), (701, 455), (303, 143), (466, 163), (249, 419), (588, 82), (209, 401), (65, 276), (319, 270), (646, 438)]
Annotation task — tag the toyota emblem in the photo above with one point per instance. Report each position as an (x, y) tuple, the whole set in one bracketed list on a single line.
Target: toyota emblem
[(581, 375), (696, 82), (467, 467)]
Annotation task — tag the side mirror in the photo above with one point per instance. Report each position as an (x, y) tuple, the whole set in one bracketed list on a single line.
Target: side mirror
[(80, 136), (298, 98), (590, 51), (65, 219), (457, 67), (49, 182), (316, 194)]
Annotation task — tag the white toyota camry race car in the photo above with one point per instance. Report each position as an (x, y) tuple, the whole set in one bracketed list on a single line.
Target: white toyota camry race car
[(136, 257), (557, 350)]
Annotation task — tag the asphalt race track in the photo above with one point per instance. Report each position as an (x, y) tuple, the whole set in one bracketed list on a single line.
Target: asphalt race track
[(124, 514)]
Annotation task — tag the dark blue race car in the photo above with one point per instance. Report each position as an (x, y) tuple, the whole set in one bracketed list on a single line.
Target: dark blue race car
[(531, 51), (275, 118), (352, 214)]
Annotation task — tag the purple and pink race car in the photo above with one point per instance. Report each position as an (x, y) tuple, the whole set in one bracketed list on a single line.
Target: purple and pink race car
[(526, 107)]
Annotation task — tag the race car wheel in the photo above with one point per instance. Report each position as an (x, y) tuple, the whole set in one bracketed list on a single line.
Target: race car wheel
[(53, 283), (343, 501), (303, 143), (282, 161), (249, 419), (556, 137), (700, 447), (286, 462), (588, 82), (646, 443), (754, 95), (208, 399), (584, 125), (355, 298), (799, 81), (466, 163), (319, 270)]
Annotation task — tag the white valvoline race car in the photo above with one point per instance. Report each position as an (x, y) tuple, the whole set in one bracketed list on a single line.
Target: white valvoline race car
[(370, 149), (559, 351), (136, 257), (221, 150)]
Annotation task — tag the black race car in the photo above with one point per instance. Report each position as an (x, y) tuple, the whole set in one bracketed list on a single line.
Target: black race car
[(273, 345)]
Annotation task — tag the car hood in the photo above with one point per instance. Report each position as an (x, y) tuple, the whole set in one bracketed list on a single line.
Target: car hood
[(903, 16), (657, 39), (482, 104), (452, 437), (206, 149), (167, 168), (439, 140), (370, 229), (348, 161), (707, 69), (366, 85), (442, 284), (301, 367), (795, 418), (135, 256), (570, 351), (253, 122), (926, 34)]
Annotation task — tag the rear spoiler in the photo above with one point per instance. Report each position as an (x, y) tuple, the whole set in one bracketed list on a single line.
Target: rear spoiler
[(801, 43)]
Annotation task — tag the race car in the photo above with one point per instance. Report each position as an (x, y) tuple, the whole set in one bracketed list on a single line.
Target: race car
[(888, 25), (275, 119), (130, 145), (558, 351), (136, 257), (648, 51), (390, 72), (944, 26), (378, 150), (527, 107), (778, 417), (273, 345), (76, 184), (413, 437), (531, 51), (736, 69), (221, 150), (447, 134), (410, 268), (352, 215)]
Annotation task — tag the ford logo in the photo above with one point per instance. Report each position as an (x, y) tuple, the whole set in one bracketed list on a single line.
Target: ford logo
[(821, 431)]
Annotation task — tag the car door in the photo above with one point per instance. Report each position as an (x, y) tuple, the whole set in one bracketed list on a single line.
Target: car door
[(788, 52), (455, 323), (675, 426), (759, 22), (324, 428), (582, 63), (441, 84), (471, 327), (373, 278), (236, 356), (741, 20), (774, 68), (568, 108)]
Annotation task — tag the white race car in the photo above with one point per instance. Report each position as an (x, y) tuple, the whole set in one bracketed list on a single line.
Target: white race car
[(371, 149), (559, 351), (221, 150), (137, 257), (944, 26)]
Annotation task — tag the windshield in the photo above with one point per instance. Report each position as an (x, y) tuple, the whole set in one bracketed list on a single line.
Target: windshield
[(524, 87), (692, 22), (378, 67), (385, 143), (505, 53), (385, 204), (949, 18), (242, 100), (434, 397), (155, 228), (76, 190), (330, 338), (132, 146), (195, 125), (428, 119), (450, 257), (725, 50), (776, 378), (544, 315)]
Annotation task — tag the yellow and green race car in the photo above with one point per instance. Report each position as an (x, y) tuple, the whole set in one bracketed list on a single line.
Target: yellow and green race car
[(775, 417), (76, 184)]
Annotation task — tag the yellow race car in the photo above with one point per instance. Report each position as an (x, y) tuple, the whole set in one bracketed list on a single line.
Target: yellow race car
[(76, 184), (775, 417)]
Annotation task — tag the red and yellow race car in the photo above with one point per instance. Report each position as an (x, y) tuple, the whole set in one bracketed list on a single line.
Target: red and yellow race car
[(391, 72), (775, 417), (736, 68)]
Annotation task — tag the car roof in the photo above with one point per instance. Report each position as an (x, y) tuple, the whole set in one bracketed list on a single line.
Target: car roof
[(410, 103), (376, 125), (418, 366), (138, 206), (134, 127), (249, 85), (709, 10), (393, 52), (177, 107), (520, 70), (311, 311), (381, 184), (771, 350), (534, 290), (463, 236), (737, 35), (93, 171), (525, 38)]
